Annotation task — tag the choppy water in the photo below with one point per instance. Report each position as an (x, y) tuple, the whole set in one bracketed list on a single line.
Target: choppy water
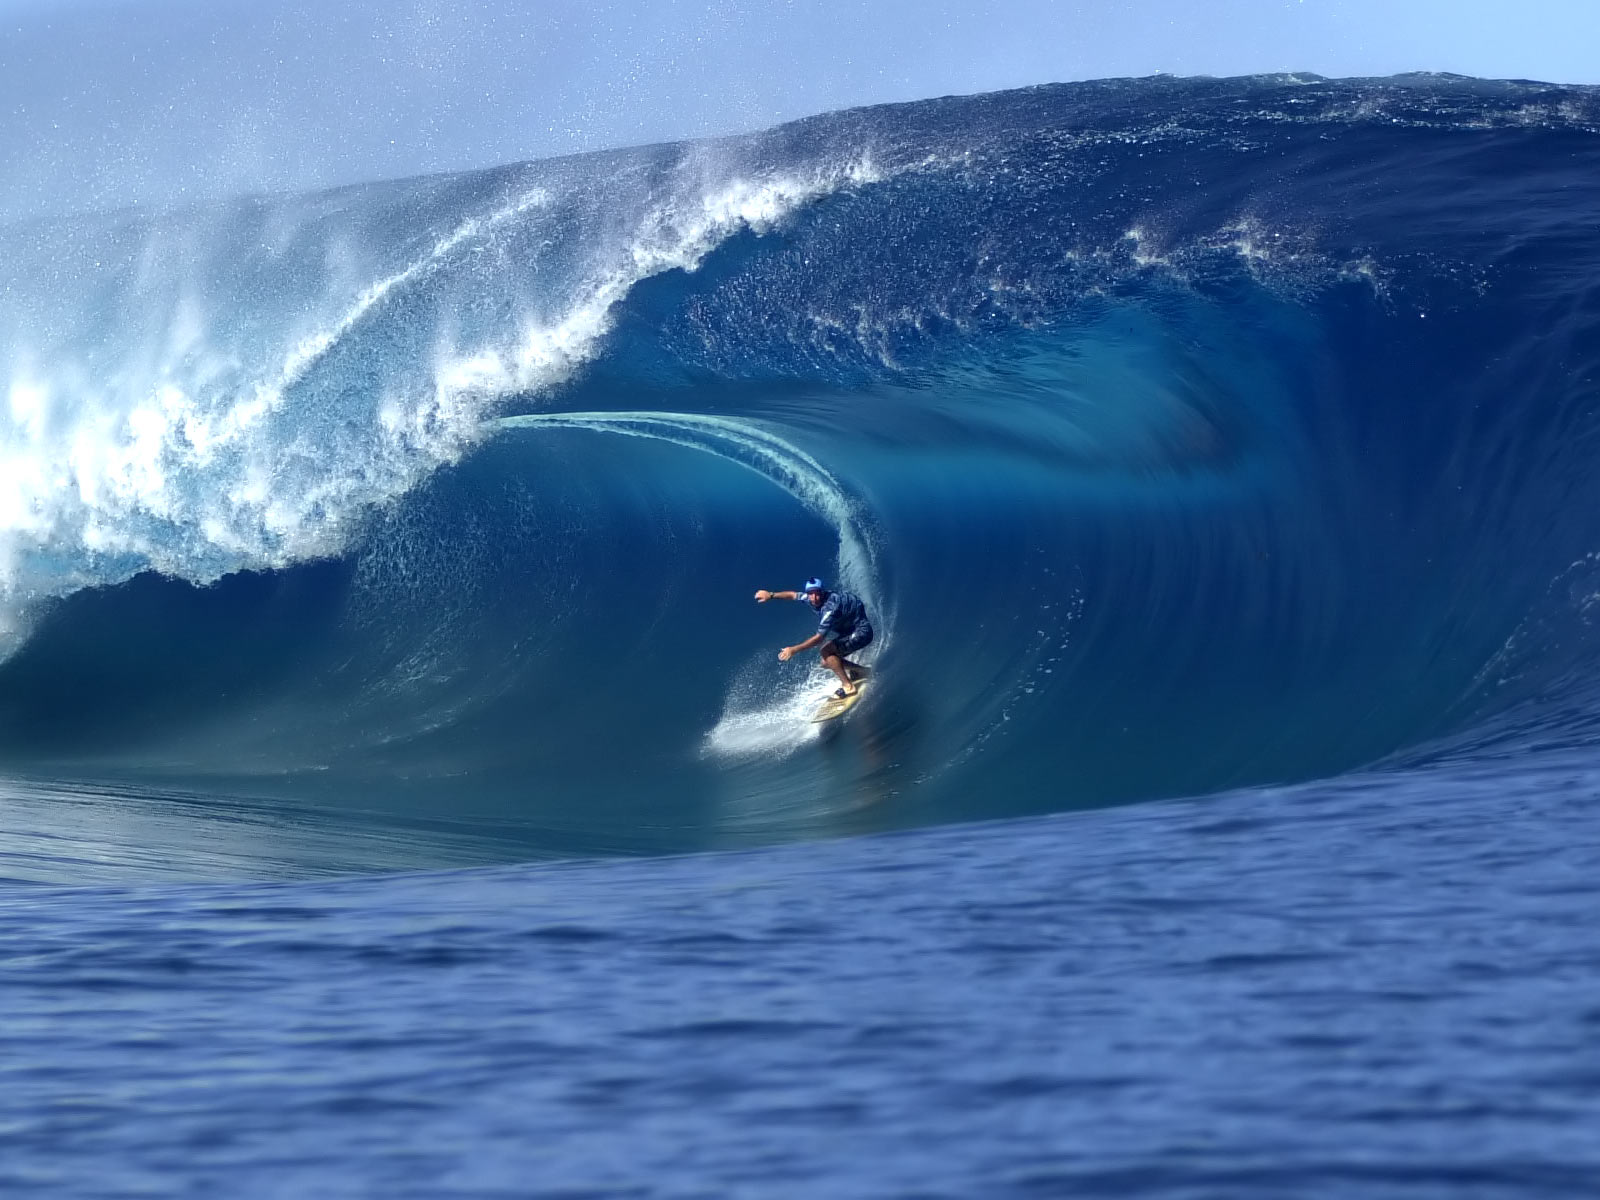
[(404, 796), (1364, 987)]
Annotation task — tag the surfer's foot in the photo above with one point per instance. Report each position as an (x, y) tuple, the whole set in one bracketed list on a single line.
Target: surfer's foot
[(841, 693)]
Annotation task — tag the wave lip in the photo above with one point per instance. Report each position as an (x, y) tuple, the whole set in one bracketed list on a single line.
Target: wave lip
[(230, 437)]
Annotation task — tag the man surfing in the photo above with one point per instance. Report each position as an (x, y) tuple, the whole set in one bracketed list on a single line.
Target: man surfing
[(842, 631)]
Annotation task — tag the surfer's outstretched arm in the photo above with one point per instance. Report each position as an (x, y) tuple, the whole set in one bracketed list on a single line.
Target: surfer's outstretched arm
[(763, 596)]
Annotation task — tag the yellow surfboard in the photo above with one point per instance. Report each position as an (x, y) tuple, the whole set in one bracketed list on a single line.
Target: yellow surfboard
[(836, 706)]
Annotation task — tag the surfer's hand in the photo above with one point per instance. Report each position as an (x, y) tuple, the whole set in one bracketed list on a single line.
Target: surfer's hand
[(786, 654), (763, 596)]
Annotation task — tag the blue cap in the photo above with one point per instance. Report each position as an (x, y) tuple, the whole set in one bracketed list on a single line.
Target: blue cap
[(813, 585)]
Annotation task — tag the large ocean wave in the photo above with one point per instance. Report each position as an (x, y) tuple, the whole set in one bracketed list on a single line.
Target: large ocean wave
[(1180, 434)]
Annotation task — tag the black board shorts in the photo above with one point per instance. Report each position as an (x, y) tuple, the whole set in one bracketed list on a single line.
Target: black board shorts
[(858, 638)]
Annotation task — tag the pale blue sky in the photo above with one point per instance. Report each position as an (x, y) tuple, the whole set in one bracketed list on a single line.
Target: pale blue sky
[(111, 101)]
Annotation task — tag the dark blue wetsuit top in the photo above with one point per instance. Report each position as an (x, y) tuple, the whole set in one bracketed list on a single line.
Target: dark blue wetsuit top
[(842, 614)]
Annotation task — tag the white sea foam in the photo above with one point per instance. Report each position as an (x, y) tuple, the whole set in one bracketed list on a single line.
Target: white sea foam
[(199, 451), (314, 346), (756, 723), (675, 236)]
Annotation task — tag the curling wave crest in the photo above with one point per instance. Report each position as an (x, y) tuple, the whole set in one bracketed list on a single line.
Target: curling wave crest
[(1180, 434)]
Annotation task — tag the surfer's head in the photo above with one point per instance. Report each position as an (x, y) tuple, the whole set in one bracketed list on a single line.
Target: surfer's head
[(815, 591)]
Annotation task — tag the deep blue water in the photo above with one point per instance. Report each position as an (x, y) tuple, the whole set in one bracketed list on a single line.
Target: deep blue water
[(403, 795), (1370, 986)]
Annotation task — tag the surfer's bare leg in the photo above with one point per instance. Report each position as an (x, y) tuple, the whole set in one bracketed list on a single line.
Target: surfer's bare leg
[(837, 665)]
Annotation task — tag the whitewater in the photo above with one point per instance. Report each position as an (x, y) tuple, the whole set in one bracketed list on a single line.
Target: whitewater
[(401, 793)]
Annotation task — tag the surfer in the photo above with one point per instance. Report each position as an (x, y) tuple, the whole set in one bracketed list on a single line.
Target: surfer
[(842, 631)]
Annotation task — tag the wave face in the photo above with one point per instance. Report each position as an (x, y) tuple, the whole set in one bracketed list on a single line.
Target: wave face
[(1180, 434)]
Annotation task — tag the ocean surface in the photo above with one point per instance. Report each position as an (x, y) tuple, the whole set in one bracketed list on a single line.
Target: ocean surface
[(400, 793)]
